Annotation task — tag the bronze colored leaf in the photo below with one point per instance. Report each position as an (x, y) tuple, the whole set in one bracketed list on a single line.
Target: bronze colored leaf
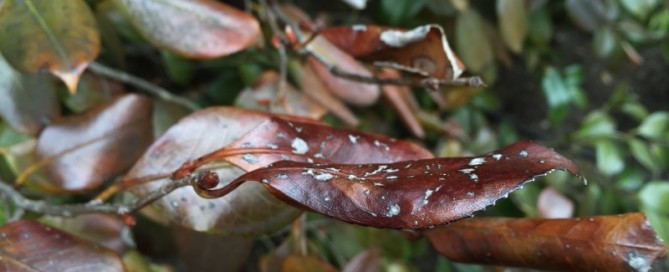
[(402, 100), (58, 36), (366, 261), (357, 93), (18, 106), (314, 88), (82, 151), (295, 263), (279, 138), (403, 195), (623, 242), (423, 50), (200, 29), (31, 246), (264, 97)]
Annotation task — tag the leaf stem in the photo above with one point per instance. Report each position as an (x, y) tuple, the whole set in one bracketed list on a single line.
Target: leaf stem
[(142, 84)]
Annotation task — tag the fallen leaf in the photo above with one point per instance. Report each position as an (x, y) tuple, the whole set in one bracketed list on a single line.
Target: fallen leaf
[(552, 204), (357, 93), (18, 104), (31, 246), (264, 96), (423, 50), (200, 29), (59, 36), (403, 195), (81, 151), (602, 243)]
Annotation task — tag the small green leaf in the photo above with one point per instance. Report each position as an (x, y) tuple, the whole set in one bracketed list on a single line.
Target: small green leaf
[(562, 90), (640, 8), (396, 13), (513, 20), (472, 42), (610, 160), (635, 109), (654, 202), (605, 42), (642, 154), (655, 125), (630, 179), (9, 137), (596, 124), (178, 69), (540, 29)]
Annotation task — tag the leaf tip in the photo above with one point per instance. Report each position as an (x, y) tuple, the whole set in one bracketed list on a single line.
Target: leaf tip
[(71, 77)]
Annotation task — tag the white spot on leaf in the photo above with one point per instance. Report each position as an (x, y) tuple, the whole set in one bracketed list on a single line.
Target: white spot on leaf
[(523, 153), (299, 146), (353, 139), (477, 161), (393, 210), (395, 38)]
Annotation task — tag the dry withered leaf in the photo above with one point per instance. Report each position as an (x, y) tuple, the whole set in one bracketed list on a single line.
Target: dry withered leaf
[(31, 246), (356, 93), (58, 36), (314, 88), (423, 50), (200, 29), (403, 195), (264, 97), (401, 99), (81, 151), (603, 243)]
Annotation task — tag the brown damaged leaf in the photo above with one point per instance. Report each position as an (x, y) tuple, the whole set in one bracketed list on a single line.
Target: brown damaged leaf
[(286, 138), (31, 246), (82, 151), (200, 29), (423, 50), (404, 195), (603, 243), (357, 93), (58, 36)]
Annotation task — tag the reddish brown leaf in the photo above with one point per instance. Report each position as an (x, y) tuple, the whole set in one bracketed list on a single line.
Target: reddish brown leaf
[(404, 195), (305, 264), (314, 88), (82, 151), (401, 99), (264, 96), (603, 243), (202, 251), (31, 246), (423, 50), (361, 94), (284, 139), (366, 261), (200, 29)]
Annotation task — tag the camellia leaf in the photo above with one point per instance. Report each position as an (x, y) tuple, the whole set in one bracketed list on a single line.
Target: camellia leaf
[(602, 243), (315, 89), (423, 50), (403, 102), (31, 246), (59, 36), (18, 106), (205, 139), (513, 20), (200, 29), (404, 195), (82, 151)]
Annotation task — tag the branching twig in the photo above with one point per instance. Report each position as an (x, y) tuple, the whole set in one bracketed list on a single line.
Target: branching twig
[(69, 210), (140, 83), (281, 48)]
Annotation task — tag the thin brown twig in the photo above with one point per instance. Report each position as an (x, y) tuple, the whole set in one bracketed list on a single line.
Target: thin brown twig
[(69, 210), (283, 55), (142, 84)]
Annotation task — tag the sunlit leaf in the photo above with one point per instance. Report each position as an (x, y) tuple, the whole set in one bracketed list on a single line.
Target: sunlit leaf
[(603, 243), (18, 106), (513, 19), (472, 41), (31, 246), (82, 151), (424, 50), (655, 126), (404, 195), (58, 36), (200, 29)]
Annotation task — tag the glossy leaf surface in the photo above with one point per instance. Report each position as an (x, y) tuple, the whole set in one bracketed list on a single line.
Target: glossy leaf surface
[(81, 151), (58, 36), (31, 246), (404, 195), (603, 243), (200, 29), (423, 50)]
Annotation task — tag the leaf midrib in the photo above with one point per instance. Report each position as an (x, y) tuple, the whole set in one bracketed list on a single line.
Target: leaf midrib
[(60, 50)]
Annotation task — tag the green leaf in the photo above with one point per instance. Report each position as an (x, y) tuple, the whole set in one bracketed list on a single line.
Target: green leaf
[(597, 124), (398, 12), (540, 29), (513, 18), (562, 90), (635, 109), (9, 137), (642, 154), (640, 8), (592, 14), (655, 126), (472, 42), (178, 69), (654, 202), (605, 42), (610, 160), (630, 179), (59, 36)]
